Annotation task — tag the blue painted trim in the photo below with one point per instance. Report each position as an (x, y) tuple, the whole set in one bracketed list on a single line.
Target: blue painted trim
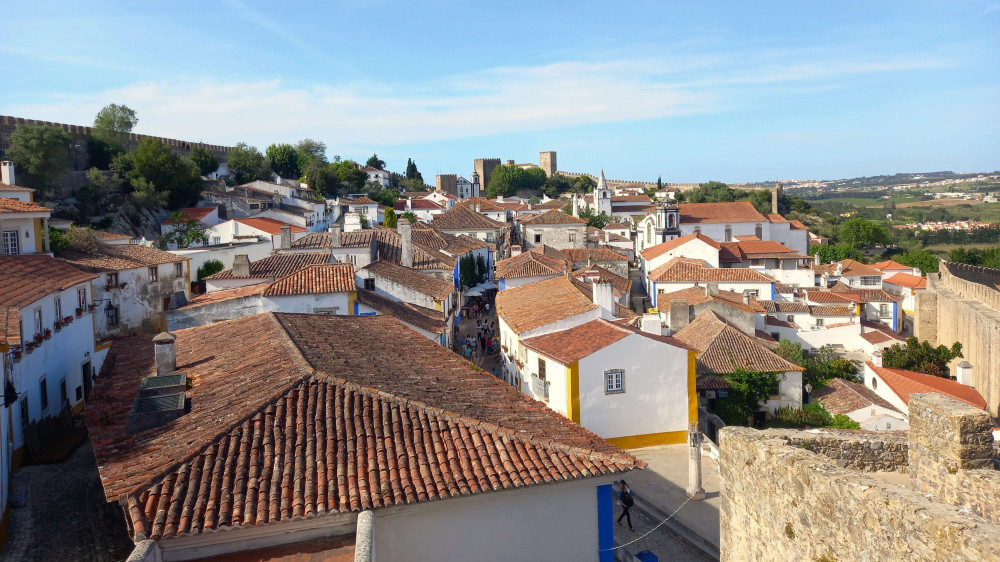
[(772, 290), (503, 284), (605, 523), (355, 308), (654, 295), (895, 310), (441, 338)]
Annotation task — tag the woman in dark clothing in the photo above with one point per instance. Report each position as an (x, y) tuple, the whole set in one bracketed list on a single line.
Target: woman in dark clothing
[(626, 501)]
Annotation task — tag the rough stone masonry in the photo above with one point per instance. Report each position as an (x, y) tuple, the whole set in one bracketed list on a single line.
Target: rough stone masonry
[(782, 501)]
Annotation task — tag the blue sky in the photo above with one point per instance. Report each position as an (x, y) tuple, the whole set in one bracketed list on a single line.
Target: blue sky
[(692, 91)]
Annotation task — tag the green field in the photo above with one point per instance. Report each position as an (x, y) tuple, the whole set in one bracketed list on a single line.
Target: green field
[(945, 248)]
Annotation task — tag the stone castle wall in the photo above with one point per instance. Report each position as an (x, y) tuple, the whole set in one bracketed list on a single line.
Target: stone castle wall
[(783, 499), (962, 304), (885, 451)]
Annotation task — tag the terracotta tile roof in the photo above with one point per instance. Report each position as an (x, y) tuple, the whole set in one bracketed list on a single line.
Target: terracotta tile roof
[(119, 257), (785, 307), (817, 295), (436, 429), (891, 265), (583, 340), (225, 295), (193, 213), (848, 268), (738, 211), (843, 397), (616, 226), (26, 278), (696, 295), (689, 270), (363, 200), (421, 317), (622, 284), (8, 187), (631, 199), (756, 249), (907, 280), (538, 304), (461, 217), (529, 264), (552, 216), (277, 266), (904, 383), (775, 217), (865, 295), (551, 204), (817, 310), (597, 255), (664, 247), (798, 225), (710, 382), (634, 209), (269, 226), (450, 244), (314, 279), (418, 205), (784, 289), (411, 278), (105, 235), (624, 312), (772, 321), (724, 347), (877, 337), (314, 241), (762, 335), (746, 238), (17, 206)]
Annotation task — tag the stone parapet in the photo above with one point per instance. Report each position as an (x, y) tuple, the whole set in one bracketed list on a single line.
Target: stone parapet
[(857, 450)]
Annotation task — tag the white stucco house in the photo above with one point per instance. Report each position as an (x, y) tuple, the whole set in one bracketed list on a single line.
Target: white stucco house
[(528, 267), (896, 385), (253, 229), (23, 224), (861, 404), (553, 228)]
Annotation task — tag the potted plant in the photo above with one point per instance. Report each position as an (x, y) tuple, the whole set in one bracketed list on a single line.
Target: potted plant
[(92, 306), (29, 346), (48, 334), (59, 324), (79, 312), (68, 320), (38, 339), (17, 354)]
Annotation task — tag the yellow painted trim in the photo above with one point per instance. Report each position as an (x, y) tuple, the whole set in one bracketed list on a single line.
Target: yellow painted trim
[(573, 391), (692, 388), (352, 297), (93, 317), (437, 306), (649, 439), (103, 346), (38, 236), (78, 408)]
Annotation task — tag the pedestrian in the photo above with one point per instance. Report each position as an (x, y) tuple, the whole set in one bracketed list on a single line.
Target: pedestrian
[(625, 500), (487, 308), (468, 355)]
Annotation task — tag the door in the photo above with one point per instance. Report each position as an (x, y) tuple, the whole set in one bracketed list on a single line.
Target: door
[(88, 380)]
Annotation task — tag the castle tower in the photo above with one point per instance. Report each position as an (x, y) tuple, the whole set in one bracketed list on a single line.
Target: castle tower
[(547, 162), (484, 167), (602, 195), (775, 195)]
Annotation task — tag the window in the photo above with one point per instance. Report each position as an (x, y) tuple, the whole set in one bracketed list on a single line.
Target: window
[(776, 389), (776, 335), (38, 320), (888, 425), (25, 418), (649, 233), (112, 280), (58, 307), (572, 237), (81, 298), (10, 246), (63, 397), (874, 383), (883, 311), (752, 292), (819, 322), (43, 393), (329, 311), (216, 240), (756, 263), (791, 318), (614, 382), (670, 220), (178, 269), (759, 231), (870, 280), (254, 205), (697, 230), (729, 233), (112, 315), (538, 238), (154, 274), (541, 368), (370, 283)]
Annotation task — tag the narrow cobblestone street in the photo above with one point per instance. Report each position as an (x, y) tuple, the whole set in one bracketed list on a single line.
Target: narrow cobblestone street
[(66, 517), (663, 542)]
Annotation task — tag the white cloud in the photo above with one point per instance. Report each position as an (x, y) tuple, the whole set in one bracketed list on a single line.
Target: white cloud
[(494, 101)]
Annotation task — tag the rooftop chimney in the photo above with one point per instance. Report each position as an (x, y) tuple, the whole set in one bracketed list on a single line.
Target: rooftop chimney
[(816, 259), (406, 242), (241, 266), (679, 315), (165, 353), (576, 206), (7, 172), (840, 269), (746, 299), (409, 203), (877, 358), (286, 237), (963, 373), (604, 297), (335, 236), (651, 324)]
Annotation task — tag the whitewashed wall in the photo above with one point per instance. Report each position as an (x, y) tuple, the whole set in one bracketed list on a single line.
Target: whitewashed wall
[(225, 254)]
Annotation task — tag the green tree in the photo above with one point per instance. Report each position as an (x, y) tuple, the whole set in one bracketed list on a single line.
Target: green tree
[(408, 215), (351, 175), (113, 123), (58, 241), (659, 183), (921, 356), (310, 151), (184, 231), (829, 253), (582, 184), (926, 261), (863, 233), (205, 159), (482, 270), (467, 271), (375, 162), (534, 178), (556, 185), (40, 152), (145, 195), (411, 171), (283, 160), (508, 180), (163, 170), (102, 153), (322, 177), (747, 390), (595, 220), (246, 162), (389, 221), (211, 267)]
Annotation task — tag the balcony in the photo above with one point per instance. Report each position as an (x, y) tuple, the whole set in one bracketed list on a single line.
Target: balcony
[(539, 387)]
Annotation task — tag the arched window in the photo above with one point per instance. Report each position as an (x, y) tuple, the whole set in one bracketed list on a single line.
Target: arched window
[(649, 233), (670, 220), (759, 231), (729, 233)]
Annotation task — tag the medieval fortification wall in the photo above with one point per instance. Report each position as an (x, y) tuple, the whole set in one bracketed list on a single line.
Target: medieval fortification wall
[(962, 303)]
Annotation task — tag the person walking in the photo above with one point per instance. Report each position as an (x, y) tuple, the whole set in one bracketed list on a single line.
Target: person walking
[(625, 500)]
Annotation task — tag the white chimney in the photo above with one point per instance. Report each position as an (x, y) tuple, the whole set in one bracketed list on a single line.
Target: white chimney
[(406, 242), (816, 259), (335, 236), (241, 266), (7, 173), (409, 203), (604, 297), (651, 324), (963, 373), (840, 269), (165, 353), (877, 358), (286, 237), (746, 299), (576, 206)]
